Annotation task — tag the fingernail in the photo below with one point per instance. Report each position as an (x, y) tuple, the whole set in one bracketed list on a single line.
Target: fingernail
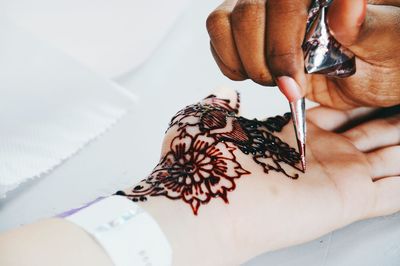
[(289, 88)]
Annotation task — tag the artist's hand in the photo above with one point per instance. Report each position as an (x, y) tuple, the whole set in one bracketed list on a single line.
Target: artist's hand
[(261, 39), (226, 188)]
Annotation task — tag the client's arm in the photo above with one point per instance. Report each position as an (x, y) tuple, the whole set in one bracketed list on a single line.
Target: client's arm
[(228, 188)]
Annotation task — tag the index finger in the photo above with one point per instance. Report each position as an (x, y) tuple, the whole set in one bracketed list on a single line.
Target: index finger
[(285, 28)]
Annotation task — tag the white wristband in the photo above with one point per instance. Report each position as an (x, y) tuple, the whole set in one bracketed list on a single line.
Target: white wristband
[(128, 234)]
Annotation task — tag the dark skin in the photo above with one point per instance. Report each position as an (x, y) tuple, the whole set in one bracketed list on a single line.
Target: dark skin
[(261, 40)]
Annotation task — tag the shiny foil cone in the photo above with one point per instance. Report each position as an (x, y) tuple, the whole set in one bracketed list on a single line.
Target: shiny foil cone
[(322, 53)]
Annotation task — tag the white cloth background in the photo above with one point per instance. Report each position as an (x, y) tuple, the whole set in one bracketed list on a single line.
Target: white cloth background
[(109, 36), (50, 106)]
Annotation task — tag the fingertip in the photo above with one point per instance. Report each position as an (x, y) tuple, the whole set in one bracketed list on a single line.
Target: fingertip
[(289, 76), (224, 97), (225, 92), (290, 88), (345, 19)]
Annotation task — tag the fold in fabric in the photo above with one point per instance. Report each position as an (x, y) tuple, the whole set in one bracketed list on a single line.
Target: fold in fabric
[(50, 107)]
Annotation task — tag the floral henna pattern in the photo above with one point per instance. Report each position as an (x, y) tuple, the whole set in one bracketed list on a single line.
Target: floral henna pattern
[(201, 162), (195, 170)]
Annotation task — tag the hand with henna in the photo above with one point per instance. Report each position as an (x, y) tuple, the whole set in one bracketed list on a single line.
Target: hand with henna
[(261, 40), (228, 188)]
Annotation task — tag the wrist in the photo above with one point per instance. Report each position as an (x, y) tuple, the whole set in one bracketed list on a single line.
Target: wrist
[(204, 239)]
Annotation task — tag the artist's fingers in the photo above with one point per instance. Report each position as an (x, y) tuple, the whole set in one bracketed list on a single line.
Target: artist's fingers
[(223, 45), (385, 162), (248, 27), (387, 197), (332, 119), (345, 19), (375, 134), (285, 29), (368, 30), (225, 98), (228, 72)]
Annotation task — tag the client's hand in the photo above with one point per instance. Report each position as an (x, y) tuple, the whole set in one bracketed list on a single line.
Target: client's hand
[(228, 188)]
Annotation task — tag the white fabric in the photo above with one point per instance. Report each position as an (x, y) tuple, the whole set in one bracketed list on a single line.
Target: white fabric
[(128, 234), (50, 107), (110, 36)]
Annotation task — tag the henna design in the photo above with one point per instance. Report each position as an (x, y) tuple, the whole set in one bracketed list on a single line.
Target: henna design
[(201, 162), (195, 170)]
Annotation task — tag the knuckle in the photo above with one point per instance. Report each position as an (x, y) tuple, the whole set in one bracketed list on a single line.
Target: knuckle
[(358, 136), (284, 63), (217, 22), (375, 96), (233, 74), (262, 77), (378, 159), (393, 123), (247, 11), (288, 7)]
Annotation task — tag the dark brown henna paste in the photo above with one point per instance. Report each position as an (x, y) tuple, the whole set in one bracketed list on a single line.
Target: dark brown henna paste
[(202, 165)]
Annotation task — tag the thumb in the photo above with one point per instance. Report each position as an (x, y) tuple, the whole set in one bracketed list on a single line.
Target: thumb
[(367, 30), (345, 19)]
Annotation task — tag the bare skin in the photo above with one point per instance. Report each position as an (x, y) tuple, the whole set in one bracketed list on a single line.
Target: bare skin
[(261, 40), (352, 175)]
